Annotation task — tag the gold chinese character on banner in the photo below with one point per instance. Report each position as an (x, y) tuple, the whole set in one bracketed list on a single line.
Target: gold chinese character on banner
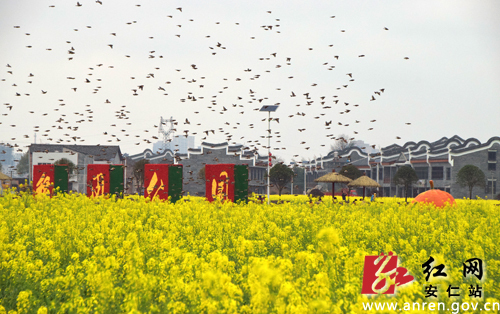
[(99, 186), (220, 190), (152, 185), (43, 184)]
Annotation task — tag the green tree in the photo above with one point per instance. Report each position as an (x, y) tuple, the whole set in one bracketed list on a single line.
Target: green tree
[(351, 172), (342, 142), (69, 163), (471, 176), (405, 176), (280, 175), (23, 166), (139, 173), (298, 178), (201, 173)]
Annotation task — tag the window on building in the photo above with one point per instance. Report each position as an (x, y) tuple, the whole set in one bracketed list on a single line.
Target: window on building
[(387, 175), (492, 166), (491, 184), (387, 171), (448, 174), (437, 173), (492, 155), (422, 173)]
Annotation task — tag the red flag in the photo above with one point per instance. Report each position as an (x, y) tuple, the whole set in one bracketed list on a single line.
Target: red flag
[(219, 182), (43, 179), (97, 179), (156, 181)]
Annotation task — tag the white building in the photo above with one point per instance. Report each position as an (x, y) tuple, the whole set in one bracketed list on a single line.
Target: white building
[(80, 155), (179, 144)]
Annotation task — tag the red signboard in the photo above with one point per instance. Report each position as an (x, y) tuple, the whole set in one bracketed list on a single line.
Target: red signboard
[(219, 182), (43, 179), (97, 179), (156, 181)]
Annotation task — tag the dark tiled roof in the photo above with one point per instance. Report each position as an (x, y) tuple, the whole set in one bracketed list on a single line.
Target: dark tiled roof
[(441, 146), (148, 153), (360, 162), (471, 144), (214, 145), (233, 150), (104, 152)]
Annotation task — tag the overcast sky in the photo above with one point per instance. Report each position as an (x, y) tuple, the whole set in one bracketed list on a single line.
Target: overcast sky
[(438, 64)]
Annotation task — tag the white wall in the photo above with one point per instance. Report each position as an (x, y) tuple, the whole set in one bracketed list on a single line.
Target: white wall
[(50, 158)]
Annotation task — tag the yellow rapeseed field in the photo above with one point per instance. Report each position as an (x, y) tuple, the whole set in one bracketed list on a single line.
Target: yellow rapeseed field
[(73, 254)]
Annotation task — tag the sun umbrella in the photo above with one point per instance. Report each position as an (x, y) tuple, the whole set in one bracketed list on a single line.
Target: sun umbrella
[(4, 177), (364, 181), (333, 177)]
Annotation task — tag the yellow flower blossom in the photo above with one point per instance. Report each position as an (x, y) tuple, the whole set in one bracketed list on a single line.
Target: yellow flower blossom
[(70, 253)]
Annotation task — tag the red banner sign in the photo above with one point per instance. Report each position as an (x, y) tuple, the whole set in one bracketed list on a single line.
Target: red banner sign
[(156, 181), (219, 182), (97, 179), (43, 179)]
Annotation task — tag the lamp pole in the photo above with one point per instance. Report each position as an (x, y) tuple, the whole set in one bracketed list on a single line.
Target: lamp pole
[(269, 109)]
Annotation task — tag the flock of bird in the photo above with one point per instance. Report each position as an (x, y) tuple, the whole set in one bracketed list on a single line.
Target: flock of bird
[(325, 114)]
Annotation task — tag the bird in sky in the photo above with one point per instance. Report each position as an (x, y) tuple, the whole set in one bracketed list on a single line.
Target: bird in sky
[(199, 95)]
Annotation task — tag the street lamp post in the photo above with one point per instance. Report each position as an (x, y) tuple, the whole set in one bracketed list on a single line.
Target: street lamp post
[(269, 109)]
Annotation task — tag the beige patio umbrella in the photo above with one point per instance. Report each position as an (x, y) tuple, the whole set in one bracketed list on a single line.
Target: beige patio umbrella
[(4, 177), (333, 177), (364, 181)]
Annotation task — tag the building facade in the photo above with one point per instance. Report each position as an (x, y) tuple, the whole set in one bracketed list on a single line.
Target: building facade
[(439, 161), (80, 155), (195, 159)]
